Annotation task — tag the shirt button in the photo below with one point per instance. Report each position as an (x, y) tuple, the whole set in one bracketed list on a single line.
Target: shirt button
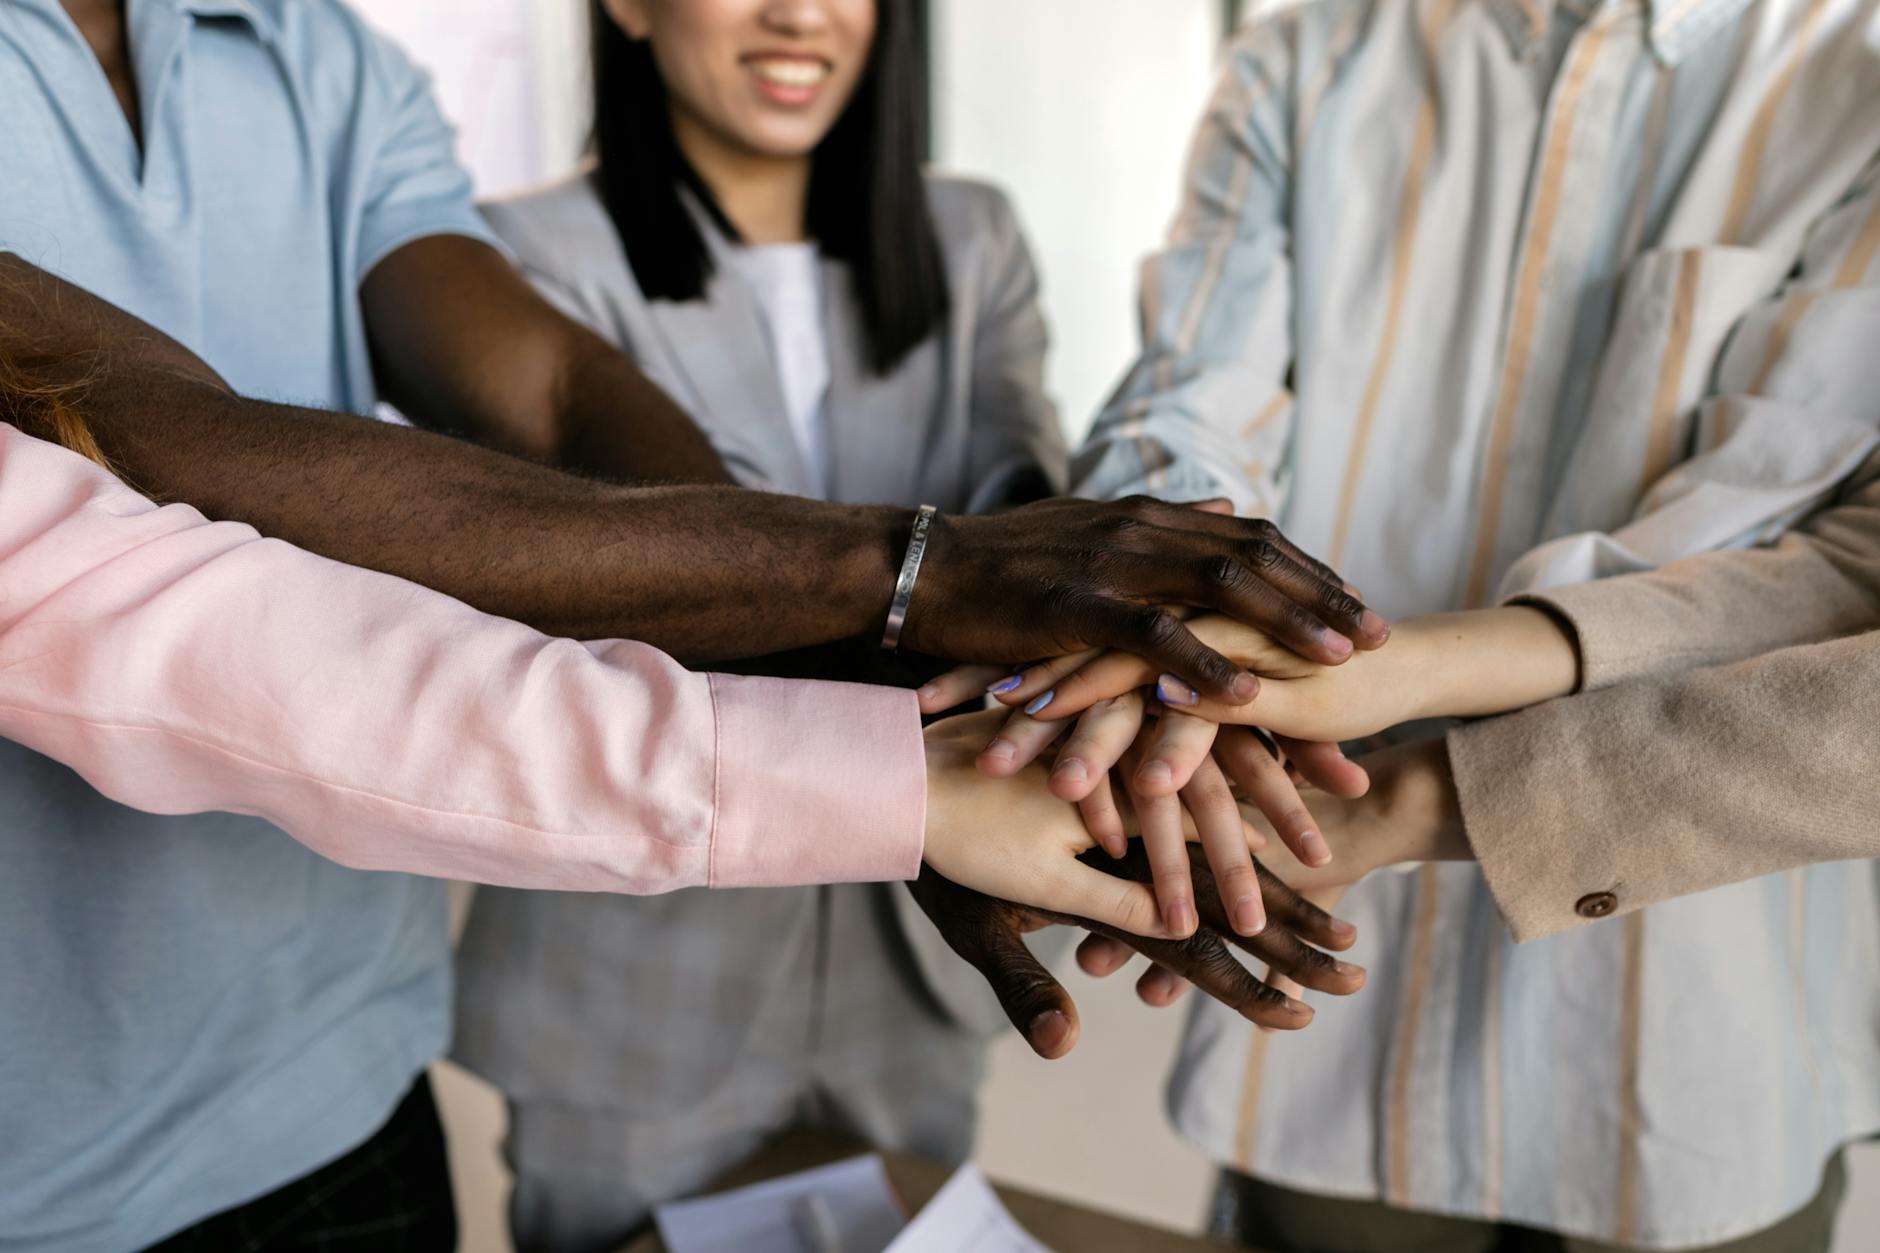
[(1596, 905)]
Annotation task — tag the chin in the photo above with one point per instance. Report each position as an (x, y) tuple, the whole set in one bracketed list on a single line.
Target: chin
[(784, 146)]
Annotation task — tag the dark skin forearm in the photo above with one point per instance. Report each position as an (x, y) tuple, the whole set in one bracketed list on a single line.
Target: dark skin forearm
[(461, 343), (702, 572)]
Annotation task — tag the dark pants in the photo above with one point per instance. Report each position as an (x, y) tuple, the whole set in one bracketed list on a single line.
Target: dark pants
[(1263, 1216), (391, 1194)]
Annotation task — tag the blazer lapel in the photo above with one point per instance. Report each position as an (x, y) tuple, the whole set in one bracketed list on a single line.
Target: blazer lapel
[(880, 429), (720, 348)]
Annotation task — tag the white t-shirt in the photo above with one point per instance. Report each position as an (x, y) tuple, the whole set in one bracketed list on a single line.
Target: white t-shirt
[(786, 279)]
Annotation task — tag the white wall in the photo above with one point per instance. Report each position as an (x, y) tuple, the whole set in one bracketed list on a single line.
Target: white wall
[(510, 74), (1081, 109)]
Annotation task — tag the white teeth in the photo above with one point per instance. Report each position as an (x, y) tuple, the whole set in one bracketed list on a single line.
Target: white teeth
[(791, 73)]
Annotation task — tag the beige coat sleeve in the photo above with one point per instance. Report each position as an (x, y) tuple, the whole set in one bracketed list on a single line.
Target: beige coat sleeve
[(1718, 738), (1819, 581)]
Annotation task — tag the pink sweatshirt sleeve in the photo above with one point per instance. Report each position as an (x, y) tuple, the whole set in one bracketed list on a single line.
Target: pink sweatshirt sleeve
[(182, 665)]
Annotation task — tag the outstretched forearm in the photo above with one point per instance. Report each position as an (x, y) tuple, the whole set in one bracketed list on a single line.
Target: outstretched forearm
[(703, 572), (700, 572), (462, 343)]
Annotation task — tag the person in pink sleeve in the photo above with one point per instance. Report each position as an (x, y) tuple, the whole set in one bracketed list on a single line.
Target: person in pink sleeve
[(182, 665)]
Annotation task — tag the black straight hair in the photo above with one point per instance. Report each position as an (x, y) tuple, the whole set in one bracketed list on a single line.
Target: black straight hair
[(867, 200)]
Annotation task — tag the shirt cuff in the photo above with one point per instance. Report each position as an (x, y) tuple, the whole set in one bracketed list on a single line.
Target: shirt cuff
[(816, 783), (1518, 782), (1605, 615)]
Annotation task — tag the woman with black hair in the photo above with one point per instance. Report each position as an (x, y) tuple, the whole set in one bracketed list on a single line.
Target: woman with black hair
[(758, 234)]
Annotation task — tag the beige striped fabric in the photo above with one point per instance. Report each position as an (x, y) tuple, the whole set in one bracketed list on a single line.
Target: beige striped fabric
[(1483, 296)]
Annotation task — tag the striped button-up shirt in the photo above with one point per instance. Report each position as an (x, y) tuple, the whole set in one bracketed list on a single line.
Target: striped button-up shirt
[(1485, 295)]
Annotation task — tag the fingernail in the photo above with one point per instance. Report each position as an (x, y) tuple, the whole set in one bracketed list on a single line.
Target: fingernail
[(1336, 644), (1343, 930), (1373, 624), (1181, 918), (1005, 685), (1001, 750), (1348, 970), (1071, 770), (1318, 852), (1173, 691), (1039, 702), (1248, 919), (927, 693), (1155, 772), (1245, 687), (1048, 1029)]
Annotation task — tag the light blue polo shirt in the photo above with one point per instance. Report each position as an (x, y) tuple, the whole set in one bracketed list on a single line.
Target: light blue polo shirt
[(195, 1011)]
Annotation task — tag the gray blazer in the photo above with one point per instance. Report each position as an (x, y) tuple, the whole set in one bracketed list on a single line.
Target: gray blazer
[(958, 424)]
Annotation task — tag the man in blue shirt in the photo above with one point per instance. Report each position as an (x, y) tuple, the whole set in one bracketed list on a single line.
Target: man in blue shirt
[(269, 182)]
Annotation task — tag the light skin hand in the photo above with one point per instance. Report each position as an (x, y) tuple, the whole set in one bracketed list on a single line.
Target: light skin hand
[(1011, 838), (1444, 665), (1172, 759), (1193, 793), (1209, 804), (1456, 664), (1410, 815)]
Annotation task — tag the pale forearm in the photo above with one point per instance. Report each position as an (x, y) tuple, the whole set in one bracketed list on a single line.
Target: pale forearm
[(1479, 662)]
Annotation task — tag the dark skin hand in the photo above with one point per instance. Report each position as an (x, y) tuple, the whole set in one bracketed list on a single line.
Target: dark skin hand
[(703, 572), (990, 934)]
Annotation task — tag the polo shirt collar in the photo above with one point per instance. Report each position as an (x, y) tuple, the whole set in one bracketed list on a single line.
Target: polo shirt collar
[(259, 16)]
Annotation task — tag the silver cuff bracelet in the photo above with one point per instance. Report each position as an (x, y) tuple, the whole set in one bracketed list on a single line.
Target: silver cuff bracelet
[(910, 570)]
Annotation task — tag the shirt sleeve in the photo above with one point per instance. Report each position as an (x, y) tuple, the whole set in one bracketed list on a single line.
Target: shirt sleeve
[(414, 186), (1819, 581), (1205, 410), (182, 665)]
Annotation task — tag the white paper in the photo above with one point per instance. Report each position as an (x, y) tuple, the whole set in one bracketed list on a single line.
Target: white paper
[(854, 1210), (966, 1216)]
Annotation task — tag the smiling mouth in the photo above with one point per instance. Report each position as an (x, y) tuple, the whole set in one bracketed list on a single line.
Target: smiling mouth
[(790, 73)]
